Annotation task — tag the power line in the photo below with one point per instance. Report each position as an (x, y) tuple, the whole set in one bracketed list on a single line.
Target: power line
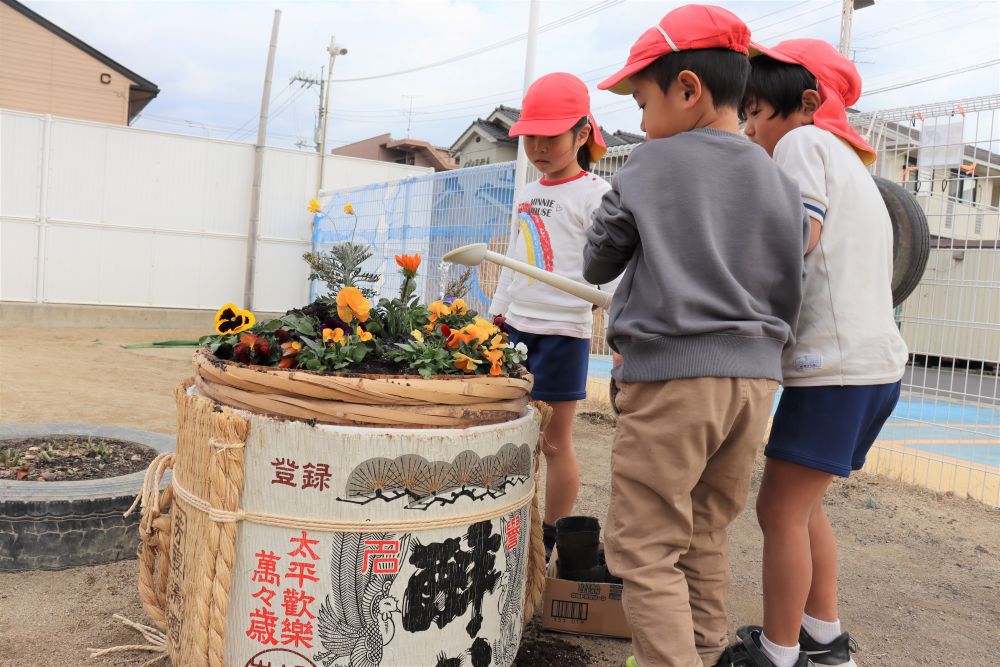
[(570, 18), (368, 115), (791, 18), (933, 77), (802, 27)]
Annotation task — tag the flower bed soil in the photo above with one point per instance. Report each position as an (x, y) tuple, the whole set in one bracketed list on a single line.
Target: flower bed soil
[(65, 458)]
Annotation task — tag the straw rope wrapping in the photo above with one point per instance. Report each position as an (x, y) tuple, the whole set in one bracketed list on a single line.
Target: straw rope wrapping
[(156, 642), (154, 534), (535, 585), (226, 487)]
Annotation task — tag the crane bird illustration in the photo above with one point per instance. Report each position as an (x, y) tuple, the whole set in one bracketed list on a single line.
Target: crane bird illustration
[(357, 619)]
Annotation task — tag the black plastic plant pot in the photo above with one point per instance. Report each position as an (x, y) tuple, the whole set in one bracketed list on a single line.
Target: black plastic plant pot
[(55, 525)]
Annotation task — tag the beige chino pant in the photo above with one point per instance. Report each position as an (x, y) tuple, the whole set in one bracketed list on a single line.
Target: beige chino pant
[(681, 467)]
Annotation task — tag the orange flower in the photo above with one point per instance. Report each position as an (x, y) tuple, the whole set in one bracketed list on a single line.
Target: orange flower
[(463, 335), (365, 336), (256, 344), (482, 329), (464, 362), (497, 342), (494, 357), (291, 348), (458, 307), (352, 304), (286, 362), (334, 335), (408, 263), (438, 309)]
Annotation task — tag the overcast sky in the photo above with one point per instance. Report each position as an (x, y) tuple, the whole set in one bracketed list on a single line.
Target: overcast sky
[(208, 57)]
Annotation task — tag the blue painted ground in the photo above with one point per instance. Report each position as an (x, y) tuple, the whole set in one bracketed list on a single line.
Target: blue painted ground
[(950, 426)]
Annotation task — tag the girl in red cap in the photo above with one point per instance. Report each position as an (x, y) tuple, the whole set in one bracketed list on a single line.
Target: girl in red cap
[(561, 139), (842, 374)]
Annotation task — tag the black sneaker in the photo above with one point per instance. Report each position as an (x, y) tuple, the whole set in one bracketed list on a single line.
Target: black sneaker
[(748, 653), (838, 652)]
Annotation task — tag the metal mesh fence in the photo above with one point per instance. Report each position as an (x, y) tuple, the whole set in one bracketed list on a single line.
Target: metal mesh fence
[(948, 421), (945, 434)]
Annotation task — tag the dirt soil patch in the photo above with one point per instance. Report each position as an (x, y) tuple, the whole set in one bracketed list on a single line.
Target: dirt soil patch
[(61, 458), (920, 572), (540, 649)]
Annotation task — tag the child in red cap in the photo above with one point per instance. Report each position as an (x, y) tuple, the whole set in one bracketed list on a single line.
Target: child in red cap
[(710, 236), (562, 139), (842, 375)]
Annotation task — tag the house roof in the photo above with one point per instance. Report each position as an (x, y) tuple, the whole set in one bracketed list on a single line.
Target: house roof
[(142, 90), (497, 125), (440, 157)]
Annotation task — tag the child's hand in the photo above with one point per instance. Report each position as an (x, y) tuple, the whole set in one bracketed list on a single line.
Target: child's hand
[(616, 360)]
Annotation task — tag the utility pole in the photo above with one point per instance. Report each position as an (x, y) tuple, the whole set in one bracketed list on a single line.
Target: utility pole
[(521, 167), (334, 50), (310, 81), (258, 167), (409, 117), (846, 19)]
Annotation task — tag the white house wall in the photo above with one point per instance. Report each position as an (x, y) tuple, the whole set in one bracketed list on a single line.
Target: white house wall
[(110, 215)]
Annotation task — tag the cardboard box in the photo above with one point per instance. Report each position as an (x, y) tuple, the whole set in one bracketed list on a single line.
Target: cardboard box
[(584, 608)]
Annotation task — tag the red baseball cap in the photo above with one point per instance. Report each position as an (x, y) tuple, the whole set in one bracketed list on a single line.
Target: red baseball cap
[(553, 105), (839, 85), (684, 29)]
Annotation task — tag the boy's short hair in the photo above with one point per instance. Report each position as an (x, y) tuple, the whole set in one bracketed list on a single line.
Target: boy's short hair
[(722, 72), (779, 84)]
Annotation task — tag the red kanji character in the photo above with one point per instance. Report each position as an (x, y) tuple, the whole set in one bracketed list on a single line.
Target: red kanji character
[(304, 549), (297, 633), (297, 603), (382, 556), (316, 476), (301, 571), (266, 572), (262, 626), (513, 531), (284, 472), (265, 595)]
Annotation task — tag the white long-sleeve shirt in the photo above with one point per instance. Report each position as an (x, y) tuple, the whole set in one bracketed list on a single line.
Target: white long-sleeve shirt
[(553, 217), (846, 333)]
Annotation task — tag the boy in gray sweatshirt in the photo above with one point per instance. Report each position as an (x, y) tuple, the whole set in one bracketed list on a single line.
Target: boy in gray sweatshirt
[(710, 236)]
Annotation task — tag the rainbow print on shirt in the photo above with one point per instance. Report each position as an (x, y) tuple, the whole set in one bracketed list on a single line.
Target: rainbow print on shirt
[(538, 245)]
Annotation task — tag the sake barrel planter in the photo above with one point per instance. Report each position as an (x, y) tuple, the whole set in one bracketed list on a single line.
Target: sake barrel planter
[(55, 525), (306, 543)]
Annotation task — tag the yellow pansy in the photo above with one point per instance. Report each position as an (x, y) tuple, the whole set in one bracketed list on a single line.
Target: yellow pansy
[(458, 307), (352, 304), (438, 309), (497, 342), (464, 362), (313, 206), (417, 335), (334, 335), (365, 336)]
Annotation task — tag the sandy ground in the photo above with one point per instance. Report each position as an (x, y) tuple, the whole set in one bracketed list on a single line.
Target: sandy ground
[(920, 574)]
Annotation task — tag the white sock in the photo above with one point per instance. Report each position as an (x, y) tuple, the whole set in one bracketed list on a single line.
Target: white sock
[(822, 631), (781, 656)]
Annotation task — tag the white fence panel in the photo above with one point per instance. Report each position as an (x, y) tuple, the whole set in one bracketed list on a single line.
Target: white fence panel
[(113, 215)]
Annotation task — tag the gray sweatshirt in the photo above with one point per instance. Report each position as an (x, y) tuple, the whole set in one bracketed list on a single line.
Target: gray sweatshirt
[(711, 236)]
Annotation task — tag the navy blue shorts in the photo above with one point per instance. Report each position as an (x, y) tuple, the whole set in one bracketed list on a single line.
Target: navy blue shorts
[(830, 428), (559, 364)]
